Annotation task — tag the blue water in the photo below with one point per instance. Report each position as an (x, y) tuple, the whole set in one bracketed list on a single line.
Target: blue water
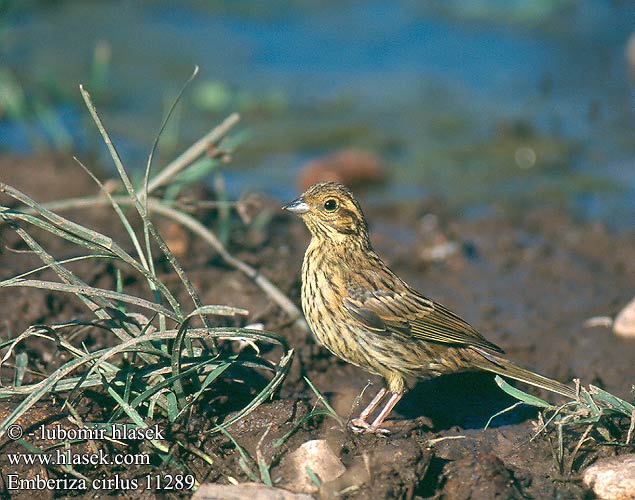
[(444, 93)]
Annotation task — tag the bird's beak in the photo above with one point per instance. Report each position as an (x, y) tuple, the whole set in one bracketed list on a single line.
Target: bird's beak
[(297, 206)]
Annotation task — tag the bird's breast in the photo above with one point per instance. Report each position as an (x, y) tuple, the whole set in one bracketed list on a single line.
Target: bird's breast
[(323, 290)]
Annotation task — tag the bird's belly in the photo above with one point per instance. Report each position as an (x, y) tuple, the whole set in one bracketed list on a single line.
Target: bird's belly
[(386, 354)]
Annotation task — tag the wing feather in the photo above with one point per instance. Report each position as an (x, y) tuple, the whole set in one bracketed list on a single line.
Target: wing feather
[(408, 313)]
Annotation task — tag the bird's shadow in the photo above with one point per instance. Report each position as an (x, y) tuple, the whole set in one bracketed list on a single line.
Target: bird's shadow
[(467, 400)]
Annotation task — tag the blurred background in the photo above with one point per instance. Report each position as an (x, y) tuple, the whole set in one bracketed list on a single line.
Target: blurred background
[(485, 104)]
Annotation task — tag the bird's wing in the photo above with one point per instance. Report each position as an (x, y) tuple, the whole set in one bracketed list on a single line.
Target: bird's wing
[(409, 313)]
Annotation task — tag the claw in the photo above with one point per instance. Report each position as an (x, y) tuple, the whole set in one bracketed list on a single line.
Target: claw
[(359, 426)]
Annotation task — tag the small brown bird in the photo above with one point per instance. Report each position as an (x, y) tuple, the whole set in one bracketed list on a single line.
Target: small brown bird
[(364, 313)]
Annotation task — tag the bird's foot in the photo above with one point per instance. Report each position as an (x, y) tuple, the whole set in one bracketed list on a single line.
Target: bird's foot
[(360, 426)]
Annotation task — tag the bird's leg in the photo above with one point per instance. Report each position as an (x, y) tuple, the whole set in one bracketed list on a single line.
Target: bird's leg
[(374, 427), (359, 424)]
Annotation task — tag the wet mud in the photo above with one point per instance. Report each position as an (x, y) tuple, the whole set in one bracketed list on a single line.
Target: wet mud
[(528, 281)]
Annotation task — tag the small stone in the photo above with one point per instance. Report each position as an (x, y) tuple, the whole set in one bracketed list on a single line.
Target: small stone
[(177, 240), (348, 166), (319, 458), (245, 491), (598, 321), (439, 251), (612, 478), (624, 324)]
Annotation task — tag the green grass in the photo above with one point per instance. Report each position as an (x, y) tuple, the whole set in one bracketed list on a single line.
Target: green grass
[(165, 355), (594, 408)]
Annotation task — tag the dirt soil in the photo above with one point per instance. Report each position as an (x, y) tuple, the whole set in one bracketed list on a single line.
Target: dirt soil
[(527, 281)]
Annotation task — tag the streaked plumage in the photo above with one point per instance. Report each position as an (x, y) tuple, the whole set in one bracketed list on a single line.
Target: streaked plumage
[(364, 313)]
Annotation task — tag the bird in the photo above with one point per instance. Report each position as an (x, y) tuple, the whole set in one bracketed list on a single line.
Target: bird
[(363, 313)]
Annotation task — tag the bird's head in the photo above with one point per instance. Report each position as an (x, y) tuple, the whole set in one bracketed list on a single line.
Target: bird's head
[(330, 211)]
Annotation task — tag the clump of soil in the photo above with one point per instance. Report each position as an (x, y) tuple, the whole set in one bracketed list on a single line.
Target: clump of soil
[(528, 282)]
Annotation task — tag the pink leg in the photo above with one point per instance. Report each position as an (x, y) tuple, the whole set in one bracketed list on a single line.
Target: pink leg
[(360, 423), (374, 427)]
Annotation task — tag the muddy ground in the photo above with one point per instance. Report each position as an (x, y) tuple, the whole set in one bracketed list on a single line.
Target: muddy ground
[(528, 281)]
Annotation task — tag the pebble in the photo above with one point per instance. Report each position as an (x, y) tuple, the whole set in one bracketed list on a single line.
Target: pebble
[(318, 456), (624, 324), (245, 491), (612, 478), (347, 166)]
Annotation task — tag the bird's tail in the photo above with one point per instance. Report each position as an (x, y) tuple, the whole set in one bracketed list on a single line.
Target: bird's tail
[(507, 369)]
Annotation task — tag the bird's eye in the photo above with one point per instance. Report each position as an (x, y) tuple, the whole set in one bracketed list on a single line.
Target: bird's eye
[(330, 205)]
